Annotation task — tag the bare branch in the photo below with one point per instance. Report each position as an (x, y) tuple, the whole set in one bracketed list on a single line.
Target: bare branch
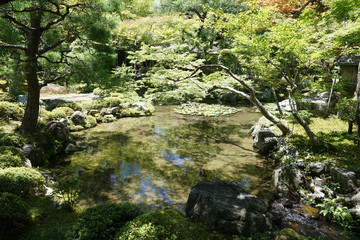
[(12, 46), (48, 48), (18, 23), (45, 83), (240, 93)]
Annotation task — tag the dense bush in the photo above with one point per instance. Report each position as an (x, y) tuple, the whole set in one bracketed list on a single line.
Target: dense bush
[(167, 224), (14, 215), (61, 112), (73, 105), (11, 157), (12, 139), (10, 111), (21, 181), (103, 221), (90, 121)]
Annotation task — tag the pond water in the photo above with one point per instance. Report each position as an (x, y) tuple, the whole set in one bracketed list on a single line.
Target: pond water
[(156, 160)]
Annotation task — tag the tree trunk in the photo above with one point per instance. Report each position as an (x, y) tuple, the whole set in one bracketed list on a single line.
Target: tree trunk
[(357, 113), (29, 121), (277, 101), (313, 138), (350, 127)]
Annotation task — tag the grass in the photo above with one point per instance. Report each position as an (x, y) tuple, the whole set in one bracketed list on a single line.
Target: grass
[(334, 131)]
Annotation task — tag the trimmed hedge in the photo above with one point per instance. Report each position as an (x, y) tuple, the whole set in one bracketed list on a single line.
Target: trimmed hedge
[(21, 181), (11, 157), (14, 215), (103, 221)]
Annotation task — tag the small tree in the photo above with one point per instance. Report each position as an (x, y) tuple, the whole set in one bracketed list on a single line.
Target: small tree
[(346, 109)]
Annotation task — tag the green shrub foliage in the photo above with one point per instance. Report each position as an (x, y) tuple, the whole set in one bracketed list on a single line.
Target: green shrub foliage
[(103, 221), (167, 224), (21, 181), (10, 111), (14, 215), (11, 157), (12, 139)]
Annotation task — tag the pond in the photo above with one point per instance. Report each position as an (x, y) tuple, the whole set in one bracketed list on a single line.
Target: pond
[(156, 160)]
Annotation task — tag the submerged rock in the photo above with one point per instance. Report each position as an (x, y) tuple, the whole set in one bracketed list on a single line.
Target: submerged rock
[(227, 207), (71, 148)]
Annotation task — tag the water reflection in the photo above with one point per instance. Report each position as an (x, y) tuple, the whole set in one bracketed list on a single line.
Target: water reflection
[(156, 160)]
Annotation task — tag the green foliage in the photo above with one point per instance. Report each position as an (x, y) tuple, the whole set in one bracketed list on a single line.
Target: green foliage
[(60, 112), (347, 108), (10, 111), (11, 157), (14, 215), (69, 190), (21, 181), (73, 105), (168, 224), (341, 215), (202, 109), (46, 141), (12, 139), (102, 221), (90, 121)]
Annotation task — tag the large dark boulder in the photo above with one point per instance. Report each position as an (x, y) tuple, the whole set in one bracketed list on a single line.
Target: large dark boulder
[(58, 130), (35, 154), (227, 207), (264, 140), (347, 179)]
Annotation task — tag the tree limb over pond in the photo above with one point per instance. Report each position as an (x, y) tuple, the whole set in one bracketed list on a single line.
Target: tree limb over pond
[(254, 100)]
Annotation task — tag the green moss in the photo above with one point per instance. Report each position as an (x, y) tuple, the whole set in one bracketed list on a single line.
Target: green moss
[(12, 139), (73, 105), (61, 112), (10, 111), (168, 224), (90, 121), (50, 223), (14, 215), (11, 157), (288, 234), (101, 222), (21, 181)]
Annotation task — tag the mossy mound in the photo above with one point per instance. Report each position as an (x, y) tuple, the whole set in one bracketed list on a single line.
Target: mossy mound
[(168, 224), (11, 157), (10, 110)]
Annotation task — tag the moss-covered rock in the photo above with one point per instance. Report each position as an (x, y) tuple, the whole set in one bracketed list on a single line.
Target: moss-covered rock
[(11, 157), (10, 110), (288, 234), (168, 224), (21, 181)]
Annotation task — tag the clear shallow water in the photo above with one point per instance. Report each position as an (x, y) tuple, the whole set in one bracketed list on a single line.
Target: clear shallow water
[(156, 160)]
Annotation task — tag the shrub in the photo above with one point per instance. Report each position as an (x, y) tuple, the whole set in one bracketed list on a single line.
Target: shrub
[(14, 215), (90, 121), (167, 224), (102, 221), (12, 139), (10, 110), (46, 141), (21, 181), (11, 157), (73, 105), (60, 112)]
